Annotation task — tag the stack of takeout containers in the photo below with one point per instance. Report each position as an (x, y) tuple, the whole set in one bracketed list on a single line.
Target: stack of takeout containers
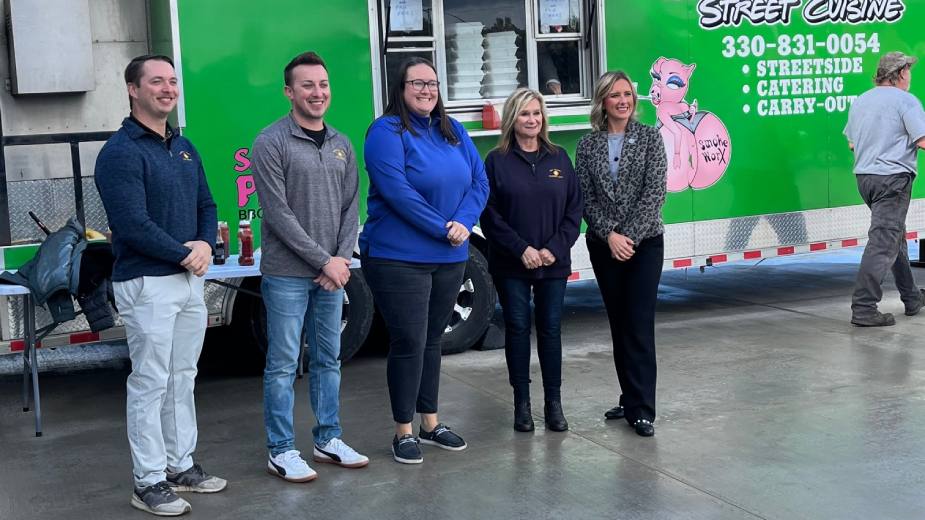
[(464, 60), (500, 64)]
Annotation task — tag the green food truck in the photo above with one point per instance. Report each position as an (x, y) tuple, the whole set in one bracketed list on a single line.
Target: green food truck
[(750, 96)]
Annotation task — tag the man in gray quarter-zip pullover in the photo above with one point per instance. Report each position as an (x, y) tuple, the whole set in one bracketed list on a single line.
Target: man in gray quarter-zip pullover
[(306, 178)]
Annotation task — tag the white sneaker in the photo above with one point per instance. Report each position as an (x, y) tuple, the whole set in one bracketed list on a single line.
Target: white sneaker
[(337, 452), (290, 466)]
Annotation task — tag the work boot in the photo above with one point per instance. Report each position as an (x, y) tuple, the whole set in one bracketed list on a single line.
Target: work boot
[(523, 418), (912, 310), (878, 319), (555, 419)]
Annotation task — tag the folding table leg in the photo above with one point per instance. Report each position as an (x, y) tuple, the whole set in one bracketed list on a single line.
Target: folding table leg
[(26, 370), (35, 392), (31, 347)]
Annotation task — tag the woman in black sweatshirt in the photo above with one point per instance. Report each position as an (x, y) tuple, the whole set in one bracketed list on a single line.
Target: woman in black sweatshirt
[(531, 221)]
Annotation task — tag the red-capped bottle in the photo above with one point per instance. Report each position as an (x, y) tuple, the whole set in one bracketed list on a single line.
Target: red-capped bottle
[(245, 243)]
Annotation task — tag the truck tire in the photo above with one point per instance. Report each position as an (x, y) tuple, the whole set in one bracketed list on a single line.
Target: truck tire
[(358, 314), (474, 307), (250, 316)]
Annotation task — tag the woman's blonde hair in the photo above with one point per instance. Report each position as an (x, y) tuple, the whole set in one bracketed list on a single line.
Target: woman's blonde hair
[(515, 103), (601, 91)]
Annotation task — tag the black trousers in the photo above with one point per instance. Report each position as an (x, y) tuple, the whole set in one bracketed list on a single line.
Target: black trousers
[(416, 302), (629, 290)]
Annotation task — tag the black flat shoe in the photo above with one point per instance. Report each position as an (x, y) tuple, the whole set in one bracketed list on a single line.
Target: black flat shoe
[(555, 419), (615, 413), (523, 419), (644, 428)]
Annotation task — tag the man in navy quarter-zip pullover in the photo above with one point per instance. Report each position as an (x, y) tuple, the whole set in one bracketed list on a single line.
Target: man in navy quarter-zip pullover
[(163, 224)]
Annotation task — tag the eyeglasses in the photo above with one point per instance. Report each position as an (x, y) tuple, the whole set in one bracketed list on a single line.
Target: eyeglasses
[(419, 84)]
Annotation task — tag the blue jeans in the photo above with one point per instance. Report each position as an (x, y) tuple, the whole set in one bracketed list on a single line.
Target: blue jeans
[(294, 303), (548, 295)]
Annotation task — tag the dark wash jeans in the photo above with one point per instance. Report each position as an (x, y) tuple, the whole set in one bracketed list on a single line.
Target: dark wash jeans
[(548, 295), (630, 290), (416, 302)]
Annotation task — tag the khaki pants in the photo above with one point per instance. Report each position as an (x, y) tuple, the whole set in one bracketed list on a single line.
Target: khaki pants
[(165, 321)]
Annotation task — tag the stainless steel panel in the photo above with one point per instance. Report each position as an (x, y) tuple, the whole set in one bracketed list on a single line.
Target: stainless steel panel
[(43, 318), (756, 231), (679, 240), (50, 46), (215, 297), (35, 162), (119, 21), (100, 110), (88, 154), (52, 200), (94, 212), (915, 219)]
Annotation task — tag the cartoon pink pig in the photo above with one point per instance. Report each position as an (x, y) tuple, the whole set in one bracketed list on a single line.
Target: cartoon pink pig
[(669, 86), (696, 143)]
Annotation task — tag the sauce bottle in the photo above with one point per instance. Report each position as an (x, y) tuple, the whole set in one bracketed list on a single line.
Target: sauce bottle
[(226, 235), (220, 249), (245, 243)]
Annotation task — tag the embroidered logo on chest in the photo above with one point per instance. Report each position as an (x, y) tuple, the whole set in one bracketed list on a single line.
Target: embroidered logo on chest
[(186, 156), (555, 173), (340, 154)]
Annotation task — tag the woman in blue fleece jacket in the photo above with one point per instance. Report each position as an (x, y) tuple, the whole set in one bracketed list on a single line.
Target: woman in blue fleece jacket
[(531, 221), (427, 188)]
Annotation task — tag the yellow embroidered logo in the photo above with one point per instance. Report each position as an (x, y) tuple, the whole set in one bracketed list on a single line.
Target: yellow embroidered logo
[(555, 173), (185, 156), (340, 154)]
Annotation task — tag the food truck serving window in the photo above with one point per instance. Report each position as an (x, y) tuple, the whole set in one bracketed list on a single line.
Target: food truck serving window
[(484, 49)]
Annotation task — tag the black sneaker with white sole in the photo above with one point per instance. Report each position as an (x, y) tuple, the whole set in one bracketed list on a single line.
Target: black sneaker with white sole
[(195, 480), (160, 500), (442, 437), (405, 449)]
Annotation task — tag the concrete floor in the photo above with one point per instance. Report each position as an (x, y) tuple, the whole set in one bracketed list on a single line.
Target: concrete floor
[(770, 406)]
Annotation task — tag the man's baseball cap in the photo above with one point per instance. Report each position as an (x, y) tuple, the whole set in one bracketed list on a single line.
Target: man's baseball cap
[(893, 61)]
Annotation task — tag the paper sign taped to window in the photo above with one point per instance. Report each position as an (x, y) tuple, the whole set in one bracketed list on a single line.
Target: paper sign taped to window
[(406, 15), (554, 12)]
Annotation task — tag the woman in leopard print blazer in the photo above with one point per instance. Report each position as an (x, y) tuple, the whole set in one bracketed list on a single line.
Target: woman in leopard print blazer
[(621, 168)]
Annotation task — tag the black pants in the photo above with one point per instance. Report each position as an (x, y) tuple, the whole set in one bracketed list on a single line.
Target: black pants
[(416, 302), (630, 290), (548, 295)]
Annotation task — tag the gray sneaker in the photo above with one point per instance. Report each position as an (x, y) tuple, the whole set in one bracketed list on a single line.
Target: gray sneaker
[(195, 480), (159, 500)]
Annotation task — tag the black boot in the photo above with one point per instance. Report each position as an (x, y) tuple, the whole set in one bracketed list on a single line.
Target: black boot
[(555, 419), (523, 418)]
